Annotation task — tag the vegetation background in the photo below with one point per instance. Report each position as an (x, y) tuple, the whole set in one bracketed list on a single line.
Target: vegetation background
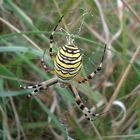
[(25, 26)]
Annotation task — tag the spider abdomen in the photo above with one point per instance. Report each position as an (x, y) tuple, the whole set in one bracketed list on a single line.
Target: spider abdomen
[(68, 62)]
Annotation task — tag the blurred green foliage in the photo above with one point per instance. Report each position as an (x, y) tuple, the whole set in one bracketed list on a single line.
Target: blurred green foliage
[(53, 114)]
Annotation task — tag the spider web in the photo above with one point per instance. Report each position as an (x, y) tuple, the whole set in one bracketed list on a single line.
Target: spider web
[(91, 50)]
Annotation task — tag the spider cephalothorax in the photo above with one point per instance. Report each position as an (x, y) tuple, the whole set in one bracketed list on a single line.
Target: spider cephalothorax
[(67, 64)]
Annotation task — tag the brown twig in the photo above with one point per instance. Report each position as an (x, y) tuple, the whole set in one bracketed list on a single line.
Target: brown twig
[(131, 10)]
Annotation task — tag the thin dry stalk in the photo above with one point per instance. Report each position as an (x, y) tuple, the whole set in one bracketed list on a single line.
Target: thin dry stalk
[(122, 136), (18, 31), (131, 10), (96, 34), (19, 126), (123, 77), (54, 104), (5, 124), (108, 38)]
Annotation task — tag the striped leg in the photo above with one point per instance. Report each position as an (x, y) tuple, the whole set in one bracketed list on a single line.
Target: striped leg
[(51, 37), (51, 47), (38, 87), (98, 69), (89, 115), (46, 68)]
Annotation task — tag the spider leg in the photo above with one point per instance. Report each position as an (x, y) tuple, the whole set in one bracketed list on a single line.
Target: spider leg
[(98, 69), (35, 91), (30, 86), (46, 68), (52, 55), (89, 115), (52, 38), (38, 87)]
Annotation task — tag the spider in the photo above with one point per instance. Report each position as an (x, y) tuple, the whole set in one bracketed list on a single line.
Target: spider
[(67, 64)]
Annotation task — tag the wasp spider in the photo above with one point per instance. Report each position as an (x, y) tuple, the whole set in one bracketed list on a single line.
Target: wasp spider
[(67, 64)]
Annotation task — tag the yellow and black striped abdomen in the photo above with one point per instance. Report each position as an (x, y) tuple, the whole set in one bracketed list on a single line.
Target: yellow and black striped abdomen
[(68, 62)]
